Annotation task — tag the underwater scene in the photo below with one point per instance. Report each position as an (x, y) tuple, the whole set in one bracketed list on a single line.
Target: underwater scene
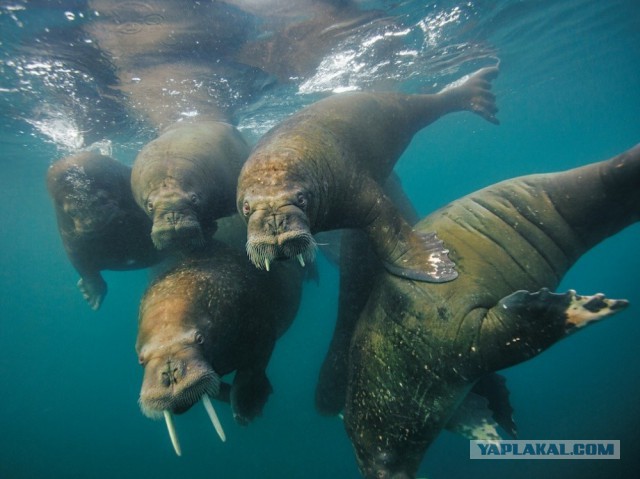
[(317, 238)]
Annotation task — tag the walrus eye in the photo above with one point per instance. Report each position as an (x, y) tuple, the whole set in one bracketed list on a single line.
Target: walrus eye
[(246, 209), (194, 198), (141, 360), (302, 200), (150, 206), (199, 338)]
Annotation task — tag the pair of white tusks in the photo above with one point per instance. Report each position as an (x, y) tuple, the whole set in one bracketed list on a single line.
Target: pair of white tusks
[(300, 260), (168, 418)]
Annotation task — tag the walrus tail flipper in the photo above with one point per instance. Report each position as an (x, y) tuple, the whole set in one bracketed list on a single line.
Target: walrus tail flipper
[(524, 324)]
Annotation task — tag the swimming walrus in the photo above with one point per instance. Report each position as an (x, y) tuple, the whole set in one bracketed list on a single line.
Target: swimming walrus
[(211, 315), (100, 224), (418, 348), (322, 168), (186, 179)]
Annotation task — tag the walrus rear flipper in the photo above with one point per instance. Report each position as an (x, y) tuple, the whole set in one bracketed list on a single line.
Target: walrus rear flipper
[(493, 387), (524, 324), (485, 408)]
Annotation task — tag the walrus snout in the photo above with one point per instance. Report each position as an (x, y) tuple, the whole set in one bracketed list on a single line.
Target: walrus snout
[(279, 235), (175, 384), (176, 230)]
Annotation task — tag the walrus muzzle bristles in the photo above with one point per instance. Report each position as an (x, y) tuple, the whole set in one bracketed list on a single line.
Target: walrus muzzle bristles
[(169, 237), (263, 249), (178, 400)]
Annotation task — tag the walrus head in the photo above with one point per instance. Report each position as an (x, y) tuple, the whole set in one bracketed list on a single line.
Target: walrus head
[(176, 216), (177, 368), (91, 214), (88, 202), (279, 225)]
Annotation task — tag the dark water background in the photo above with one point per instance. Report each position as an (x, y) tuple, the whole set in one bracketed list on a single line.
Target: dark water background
[(569, 94)]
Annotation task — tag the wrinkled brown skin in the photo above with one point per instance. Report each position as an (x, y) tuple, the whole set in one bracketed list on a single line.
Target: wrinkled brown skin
[(418, 347), (100, 225), (186, 179), (322, 169), (210, 316)]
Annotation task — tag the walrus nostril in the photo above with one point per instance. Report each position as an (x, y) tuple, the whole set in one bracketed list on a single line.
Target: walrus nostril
[(171, 218), (171, 374)]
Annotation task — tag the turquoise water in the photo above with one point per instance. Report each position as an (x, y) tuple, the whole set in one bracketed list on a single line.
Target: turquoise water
[(569, 94)]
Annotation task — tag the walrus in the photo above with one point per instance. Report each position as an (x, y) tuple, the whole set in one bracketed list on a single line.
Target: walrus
[(322, 168), (418, 347), (487, 405), (186, 179), (100, 224), (211, 315)]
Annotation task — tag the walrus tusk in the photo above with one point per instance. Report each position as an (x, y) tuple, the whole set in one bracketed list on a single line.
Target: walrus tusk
[(213, 416), (172, 432), (300, 260), (266, 264)]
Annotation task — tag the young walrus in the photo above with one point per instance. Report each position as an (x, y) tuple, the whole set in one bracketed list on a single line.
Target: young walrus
[(208, 317), (99, 222), (322, 169), (418, 348)]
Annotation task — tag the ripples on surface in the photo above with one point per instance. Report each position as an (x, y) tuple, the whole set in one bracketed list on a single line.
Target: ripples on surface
[(59, 85)]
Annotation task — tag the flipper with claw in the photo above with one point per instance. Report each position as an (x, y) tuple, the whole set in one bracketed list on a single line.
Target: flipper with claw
[(524, 324)]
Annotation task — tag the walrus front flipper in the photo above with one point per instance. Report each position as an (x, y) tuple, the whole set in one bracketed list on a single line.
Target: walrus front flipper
[(524, 324), (403, 251), (249, 393), (93, 290), (427, 261)]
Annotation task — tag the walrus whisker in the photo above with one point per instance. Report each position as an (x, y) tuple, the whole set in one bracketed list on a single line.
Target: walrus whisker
[(168, 419), (213, 416)]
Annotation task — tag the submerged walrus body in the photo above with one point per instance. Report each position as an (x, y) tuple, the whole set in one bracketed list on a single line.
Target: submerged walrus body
[(418, 348), (323, 168), (100, 224), (186, 179), (206, 318)]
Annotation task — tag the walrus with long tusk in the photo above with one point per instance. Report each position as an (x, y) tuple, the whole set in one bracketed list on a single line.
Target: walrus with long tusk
[(418, 348), (100, 224), (211, 315), (186, 179), (322, 169)]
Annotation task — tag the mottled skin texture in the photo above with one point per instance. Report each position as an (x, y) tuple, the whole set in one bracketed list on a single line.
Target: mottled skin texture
[(186, 179), (418, 347), (100, 224), (322, 169), (358, 267), (207, 317)]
